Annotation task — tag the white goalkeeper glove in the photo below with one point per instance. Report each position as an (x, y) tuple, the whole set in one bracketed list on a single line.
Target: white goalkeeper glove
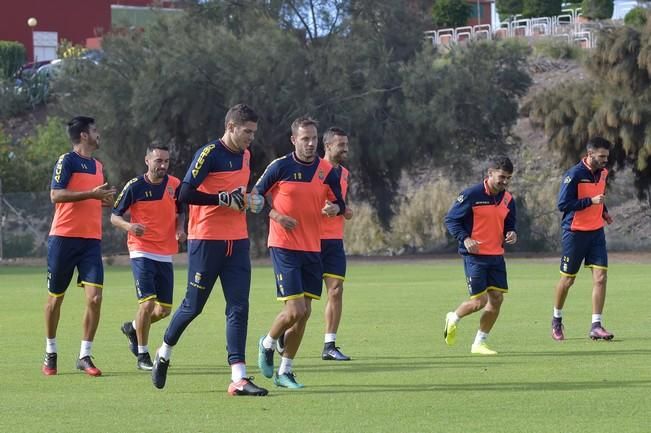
[(233, 199)]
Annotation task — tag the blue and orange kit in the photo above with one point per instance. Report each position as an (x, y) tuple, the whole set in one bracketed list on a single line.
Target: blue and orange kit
[(79, 219), (579, 185), (483, 217), (214, 169), (299, 190), (333, 227), (154, 206)]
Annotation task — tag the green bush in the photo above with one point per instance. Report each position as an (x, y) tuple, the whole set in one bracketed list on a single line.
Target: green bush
[(13, 101), (364, 234), (636, 17), (541, 8), (451, 13), (12, 56), (556, 49), (597, 9)]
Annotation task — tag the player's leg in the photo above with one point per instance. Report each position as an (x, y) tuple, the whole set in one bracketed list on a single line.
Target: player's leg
[(289, 289), (236, 282), (597, 259), (144, 271), (91, 278), (333, 260), (572, 255), (476, 274), (205, 260), (497, 286), (59, 274), (285, 376)]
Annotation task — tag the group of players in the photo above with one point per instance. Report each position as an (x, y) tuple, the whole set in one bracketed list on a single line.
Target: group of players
[(306, 195), (306, 199)]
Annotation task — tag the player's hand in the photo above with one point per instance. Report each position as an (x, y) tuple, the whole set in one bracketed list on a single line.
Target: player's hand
[(606, 216), (287, 222), (348, 213), (104, 192), (137, 229), (330, 209), (599, 199), (181, 236), (233, 199), (108, 202), (471, 245), (511, 237), (254, 202)]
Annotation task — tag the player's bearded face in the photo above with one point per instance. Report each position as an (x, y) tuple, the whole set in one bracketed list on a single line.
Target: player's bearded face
[(158, 162), (93, 136), (338, 148), (598, 158), (498, 180)]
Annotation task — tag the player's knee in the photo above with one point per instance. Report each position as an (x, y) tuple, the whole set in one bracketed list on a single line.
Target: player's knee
[(336, 292), (238, 310), (95, 300), (147, 307), (600, 279), (162, 311)]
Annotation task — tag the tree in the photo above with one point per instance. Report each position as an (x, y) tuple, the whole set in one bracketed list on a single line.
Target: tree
[(451, 13), (509, 8), (597, 9), (613, 104), (541, 8)]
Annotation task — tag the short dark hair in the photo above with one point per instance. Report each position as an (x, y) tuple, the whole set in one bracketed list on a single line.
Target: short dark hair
[(77, 125), (240, 114), (332, 132), (598, 143), (500, 162), (154, 146), (302, 122)]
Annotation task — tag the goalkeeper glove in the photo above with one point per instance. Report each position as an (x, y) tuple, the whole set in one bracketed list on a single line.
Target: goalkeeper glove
[(233, 199)]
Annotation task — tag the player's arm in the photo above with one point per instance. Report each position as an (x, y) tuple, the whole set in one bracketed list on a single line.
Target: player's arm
[(510, 235), (103, 192), (181, 236), (568, 196), (121, 206), (456, 221), (201, 166), (338, 206)]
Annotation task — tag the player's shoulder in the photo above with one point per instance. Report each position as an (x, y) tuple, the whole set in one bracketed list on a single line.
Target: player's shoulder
[(282, 161), (173, 180), (67, 157)]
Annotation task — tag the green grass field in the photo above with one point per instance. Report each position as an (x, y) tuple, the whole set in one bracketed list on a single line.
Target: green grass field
[(403, 377)]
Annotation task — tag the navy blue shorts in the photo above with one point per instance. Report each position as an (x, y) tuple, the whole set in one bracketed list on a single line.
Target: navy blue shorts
[(583, 246), (484, 273), (333, 258), (227, 260), (154, 280), (65, 254), (298, 273)]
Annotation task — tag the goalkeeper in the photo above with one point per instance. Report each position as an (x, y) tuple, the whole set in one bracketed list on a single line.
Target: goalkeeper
[(218, 244)]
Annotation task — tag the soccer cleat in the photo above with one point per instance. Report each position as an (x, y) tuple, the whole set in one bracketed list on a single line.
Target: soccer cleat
[(332, 353), (144, 362), (557, 329), (50, 364), (159, 371), (280, 344), (598, 332), (287, 380), (127, 329), (450, 330), (245, 386), (482, 349), (86, 365), (265, 360)]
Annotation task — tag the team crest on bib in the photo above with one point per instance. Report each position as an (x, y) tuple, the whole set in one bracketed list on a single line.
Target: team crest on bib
[(170, 191), (321, 175)]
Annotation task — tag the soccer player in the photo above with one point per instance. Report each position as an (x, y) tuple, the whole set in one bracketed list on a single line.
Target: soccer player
[(78, 192), (482, 219), (582, 201), (155, 228), (297, 186), (218, 244), (333, 256)]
